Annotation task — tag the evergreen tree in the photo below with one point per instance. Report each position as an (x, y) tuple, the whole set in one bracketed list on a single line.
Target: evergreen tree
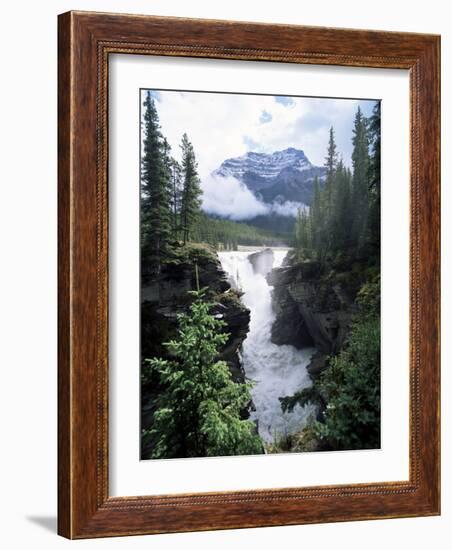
[(199, 411), (341, 215), (302, 236), (317, 222), (191, 193), (216, 230), (155, 209), (375, 178), (331, 160), (298, 230), (360, 181), (344, 215), (328, 192), (176, 196)]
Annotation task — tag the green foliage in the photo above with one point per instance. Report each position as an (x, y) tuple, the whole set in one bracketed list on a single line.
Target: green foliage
[(344, 216), (199, 410), (191, 193), (368, 298), (331, 158), (341, 216), (303, 441), (303, 397), (227, 234), (360, 180), (155, 191), (170, 193), (302, 230), (171, 204), (375, 178), (327, 198), (348, 391), (176, 196), (351, 389)]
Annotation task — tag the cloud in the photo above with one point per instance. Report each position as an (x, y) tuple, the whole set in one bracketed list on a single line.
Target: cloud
[(156, 95), (284, 100), (252, 145), (288, 208), (223, 126), (265, 117), (229, 198)]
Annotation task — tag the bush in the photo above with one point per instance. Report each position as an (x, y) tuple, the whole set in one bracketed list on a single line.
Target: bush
[(351, 389), (199, 409)]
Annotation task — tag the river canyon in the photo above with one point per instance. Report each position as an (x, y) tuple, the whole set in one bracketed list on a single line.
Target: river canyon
[(275, 370)]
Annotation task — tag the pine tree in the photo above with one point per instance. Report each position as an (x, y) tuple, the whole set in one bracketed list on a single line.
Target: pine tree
[(360, 181), (155, 203), (199, 411), (191, 194)]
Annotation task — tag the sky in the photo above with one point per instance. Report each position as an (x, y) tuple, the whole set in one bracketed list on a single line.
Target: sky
[(223, 126)]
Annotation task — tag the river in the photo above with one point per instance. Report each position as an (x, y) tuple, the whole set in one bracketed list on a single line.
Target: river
[(277, 371)]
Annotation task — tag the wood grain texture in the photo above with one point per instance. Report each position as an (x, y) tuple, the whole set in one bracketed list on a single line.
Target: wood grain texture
[(64, 295), (85, 42)]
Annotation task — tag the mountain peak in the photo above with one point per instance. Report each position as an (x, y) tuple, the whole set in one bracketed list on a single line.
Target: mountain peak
[(266, 166), (289, 151), (293, 150), (287, 174)]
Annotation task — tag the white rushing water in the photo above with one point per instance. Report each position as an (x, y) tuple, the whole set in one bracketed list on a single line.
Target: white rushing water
[(277, 371)]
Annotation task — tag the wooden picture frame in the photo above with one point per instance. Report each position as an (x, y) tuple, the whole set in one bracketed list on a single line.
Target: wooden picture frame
[(86, 40)]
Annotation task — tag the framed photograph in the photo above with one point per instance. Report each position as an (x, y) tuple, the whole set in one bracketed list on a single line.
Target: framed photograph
[(248, 275)]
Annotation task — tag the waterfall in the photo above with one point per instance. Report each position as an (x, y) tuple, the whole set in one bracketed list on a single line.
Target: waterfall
[(277, 371)]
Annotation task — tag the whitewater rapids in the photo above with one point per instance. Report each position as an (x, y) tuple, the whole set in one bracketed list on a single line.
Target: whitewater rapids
[(277, 371)]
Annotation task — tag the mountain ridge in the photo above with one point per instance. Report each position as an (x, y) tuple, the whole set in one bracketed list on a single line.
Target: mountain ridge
[(286, 175)]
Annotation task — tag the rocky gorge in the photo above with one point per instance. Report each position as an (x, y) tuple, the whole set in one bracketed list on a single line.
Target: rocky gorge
[(285, 318), (314, 306), (167, 294)]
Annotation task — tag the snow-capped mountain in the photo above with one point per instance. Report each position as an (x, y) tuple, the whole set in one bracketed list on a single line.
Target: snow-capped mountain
[(281, 176)]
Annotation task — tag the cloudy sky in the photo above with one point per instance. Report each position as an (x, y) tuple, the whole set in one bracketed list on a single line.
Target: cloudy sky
[(223, 126)]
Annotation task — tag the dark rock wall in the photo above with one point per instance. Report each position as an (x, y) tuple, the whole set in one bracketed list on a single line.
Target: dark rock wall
[(167, 295), (313, 308), (262, 261)]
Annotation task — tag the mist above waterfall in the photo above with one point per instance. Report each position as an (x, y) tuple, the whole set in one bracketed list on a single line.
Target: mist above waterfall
[(277, 371)]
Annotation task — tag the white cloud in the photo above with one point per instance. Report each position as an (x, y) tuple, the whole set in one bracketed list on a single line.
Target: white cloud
[(288, 208), (222, 126), (229, 198)]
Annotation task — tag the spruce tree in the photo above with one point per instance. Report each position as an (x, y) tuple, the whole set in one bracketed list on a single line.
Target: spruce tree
[(317, 219), (340, 217), (302, 238), (331, 160), (176, 196), (199, 411), (360, 181), (191, 193), (375, 178), (155, 199), (328, 191)]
